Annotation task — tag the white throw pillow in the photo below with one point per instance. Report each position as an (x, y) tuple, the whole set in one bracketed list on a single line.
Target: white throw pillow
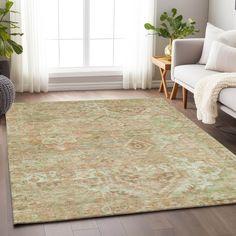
[(221, 58), (228, 38), (212, 33)]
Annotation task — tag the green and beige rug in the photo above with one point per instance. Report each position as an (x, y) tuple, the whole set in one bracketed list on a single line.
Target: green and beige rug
[(73, 160)]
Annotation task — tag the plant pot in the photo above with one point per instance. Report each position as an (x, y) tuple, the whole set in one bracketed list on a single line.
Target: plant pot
[(168, 49), (5, 68)]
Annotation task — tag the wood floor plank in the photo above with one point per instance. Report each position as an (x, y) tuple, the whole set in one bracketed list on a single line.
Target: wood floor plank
[(158, 221), (164, 232), (185, 224), (35, 230), (58, 229), (111, 226), (228, 235), (210, 221), (83, 224), (87, 232), (227, 214), (136, 225)]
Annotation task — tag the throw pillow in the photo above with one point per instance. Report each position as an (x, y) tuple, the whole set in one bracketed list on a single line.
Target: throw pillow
[(228, 38), (221, 58), (212, 33)]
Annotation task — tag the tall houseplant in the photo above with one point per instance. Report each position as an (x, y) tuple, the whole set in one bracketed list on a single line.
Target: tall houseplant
[(7, 45), (172, 27)]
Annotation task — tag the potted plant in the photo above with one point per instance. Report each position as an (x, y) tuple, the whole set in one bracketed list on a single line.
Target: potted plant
[(7, 45), (173, 27)]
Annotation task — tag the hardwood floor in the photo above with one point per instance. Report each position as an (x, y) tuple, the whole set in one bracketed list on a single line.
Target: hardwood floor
[(210, 221)]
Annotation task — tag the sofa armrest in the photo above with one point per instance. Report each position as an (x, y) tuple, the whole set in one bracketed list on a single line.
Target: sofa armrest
[(186, 51)]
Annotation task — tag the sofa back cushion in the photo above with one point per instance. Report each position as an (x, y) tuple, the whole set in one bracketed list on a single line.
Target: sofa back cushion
[(222, 58), (212, 33)]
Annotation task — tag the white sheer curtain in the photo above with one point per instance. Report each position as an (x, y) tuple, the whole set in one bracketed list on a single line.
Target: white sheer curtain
[(29, 70), (137, 70)]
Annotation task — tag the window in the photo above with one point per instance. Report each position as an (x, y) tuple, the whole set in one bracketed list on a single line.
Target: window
[(85, 33)]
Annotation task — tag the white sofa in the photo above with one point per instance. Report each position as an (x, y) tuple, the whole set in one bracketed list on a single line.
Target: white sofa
[(186, 72)]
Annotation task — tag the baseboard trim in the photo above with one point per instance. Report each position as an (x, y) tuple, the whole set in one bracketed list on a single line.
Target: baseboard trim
[(84, 86), (111, 85)]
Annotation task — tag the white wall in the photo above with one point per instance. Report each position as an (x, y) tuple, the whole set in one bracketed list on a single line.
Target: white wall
[(222, 13), (2, 2), (195, 9)]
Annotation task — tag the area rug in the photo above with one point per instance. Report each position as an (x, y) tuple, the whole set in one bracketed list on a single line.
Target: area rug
[(74, 160)]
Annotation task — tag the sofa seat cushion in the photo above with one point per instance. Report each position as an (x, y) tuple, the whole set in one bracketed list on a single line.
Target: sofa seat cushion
[(190, 74), (228, 97)]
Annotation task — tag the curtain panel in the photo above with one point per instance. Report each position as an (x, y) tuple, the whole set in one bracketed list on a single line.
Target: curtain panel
[(29, 70), (137, 69)]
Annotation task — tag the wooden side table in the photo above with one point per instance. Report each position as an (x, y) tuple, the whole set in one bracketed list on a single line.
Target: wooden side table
[(164, 65)]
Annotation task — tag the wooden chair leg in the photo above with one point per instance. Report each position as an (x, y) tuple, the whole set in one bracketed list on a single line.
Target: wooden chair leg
[(185, 97), (174, 91)]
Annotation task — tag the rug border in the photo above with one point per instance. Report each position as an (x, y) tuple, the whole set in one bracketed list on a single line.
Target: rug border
[(18, 224), (125, 214)]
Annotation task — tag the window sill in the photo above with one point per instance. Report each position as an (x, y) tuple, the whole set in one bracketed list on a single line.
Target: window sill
[(85, 72)]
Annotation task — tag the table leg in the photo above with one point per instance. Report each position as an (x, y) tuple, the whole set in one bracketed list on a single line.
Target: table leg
[(163, 79), (161, 89), (174, 91)]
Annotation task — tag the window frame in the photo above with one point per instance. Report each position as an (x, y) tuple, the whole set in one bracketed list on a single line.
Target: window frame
[(60, 71)]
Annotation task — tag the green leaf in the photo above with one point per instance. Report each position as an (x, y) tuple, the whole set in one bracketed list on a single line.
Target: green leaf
[(179, 18), (164, 33), (17, 12), (174, 12), (18, 49), (15, 34), (7, 50), (4, 28), (9, 5), (2, 47), (2, 11), (10, 22), (148, 26), (164, 25), (164, 16), (178, 24), (14, 26), (4, 35)]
